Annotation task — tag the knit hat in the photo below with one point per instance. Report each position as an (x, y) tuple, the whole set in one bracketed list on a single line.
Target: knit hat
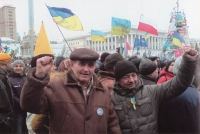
[(147, 67), (152, 58), (111, 60), (58, 60), (34, 59), (136, 62), (132, 57), (18, 62), (103, 56), (5, 59), (177, 64), (124, 67)]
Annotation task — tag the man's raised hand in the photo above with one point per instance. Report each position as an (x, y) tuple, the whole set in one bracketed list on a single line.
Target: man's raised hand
[(190, 54), (43, 66)]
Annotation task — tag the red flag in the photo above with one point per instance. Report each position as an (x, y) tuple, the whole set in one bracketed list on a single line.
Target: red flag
[(127, 47), (177, 53), (147, 25)]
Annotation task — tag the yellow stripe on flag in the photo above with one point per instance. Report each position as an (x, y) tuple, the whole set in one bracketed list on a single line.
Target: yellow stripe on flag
[(71, 23), (98, 38), (177, 42)]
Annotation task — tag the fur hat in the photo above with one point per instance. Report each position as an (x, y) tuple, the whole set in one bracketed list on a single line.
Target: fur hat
[(84, 54), (102, 67), (124, 67), (103, 56), (5, 59), (147, 67), (111, 60), (18, 62)]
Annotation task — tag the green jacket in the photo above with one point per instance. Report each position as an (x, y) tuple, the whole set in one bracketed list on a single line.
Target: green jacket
[(143, 119)]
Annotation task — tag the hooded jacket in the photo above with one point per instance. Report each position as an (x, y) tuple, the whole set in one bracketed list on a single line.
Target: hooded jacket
[(165, 76), (69, 113), (148, 98)]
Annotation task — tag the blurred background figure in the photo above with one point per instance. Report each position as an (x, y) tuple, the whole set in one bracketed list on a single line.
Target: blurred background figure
[(167, 73), (17, 79)]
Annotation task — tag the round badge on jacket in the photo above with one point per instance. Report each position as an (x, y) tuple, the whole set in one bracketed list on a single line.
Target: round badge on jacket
[(99, 111)]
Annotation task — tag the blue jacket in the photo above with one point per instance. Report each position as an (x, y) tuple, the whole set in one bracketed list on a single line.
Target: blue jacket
[(181, 114)]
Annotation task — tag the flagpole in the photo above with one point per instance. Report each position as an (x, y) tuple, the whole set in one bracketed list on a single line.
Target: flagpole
[(62, 34), (136, 34), (64, 37)]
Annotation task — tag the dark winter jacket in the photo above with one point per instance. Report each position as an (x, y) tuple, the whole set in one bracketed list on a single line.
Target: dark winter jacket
[(69, 113), (148, 98), (17, 81), (6, 103), (147, 80), (181, 114)]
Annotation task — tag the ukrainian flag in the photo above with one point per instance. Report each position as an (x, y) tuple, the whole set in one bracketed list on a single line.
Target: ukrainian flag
[(177, 39), (124, 52), (120, 26), (65, 18), (8, 51), (97, 35)]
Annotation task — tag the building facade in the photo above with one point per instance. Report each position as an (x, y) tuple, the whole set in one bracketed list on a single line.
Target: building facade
[(155, 43), (8, 22)]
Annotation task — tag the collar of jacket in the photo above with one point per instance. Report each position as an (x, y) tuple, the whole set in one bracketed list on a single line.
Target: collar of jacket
[(106, 74), (128, 92), (147, 78), (15, 75), (72, 81), (3, 72)]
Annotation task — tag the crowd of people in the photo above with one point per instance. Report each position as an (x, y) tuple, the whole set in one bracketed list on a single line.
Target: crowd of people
[(88, 93)]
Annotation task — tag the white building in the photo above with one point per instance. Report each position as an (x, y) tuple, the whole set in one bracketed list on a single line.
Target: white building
[(155, 43)]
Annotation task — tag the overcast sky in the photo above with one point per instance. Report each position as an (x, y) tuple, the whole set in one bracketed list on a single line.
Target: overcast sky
[(96, 14)]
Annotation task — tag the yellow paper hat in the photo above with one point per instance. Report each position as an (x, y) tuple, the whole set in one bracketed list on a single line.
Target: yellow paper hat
[(42, 45)]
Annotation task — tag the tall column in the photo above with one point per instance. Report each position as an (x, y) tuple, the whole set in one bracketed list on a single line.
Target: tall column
[(115, 42), (108, 42), (153, 42)]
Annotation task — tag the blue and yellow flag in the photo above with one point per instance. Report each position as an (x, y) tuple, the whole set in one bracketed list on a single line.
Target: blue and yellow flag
[(120, 26), (97, 35), (124, 52), (146, 36), (65, 18), (166, 46), (177, 39), (8, 51), (16, 50)]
